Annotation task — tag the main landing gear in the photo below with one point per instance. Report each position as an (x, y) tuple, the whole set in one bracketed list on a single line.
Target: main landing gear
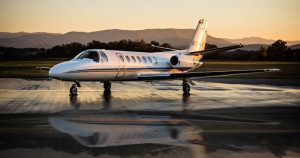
[(186, 87), (73, 89), (107, 87)]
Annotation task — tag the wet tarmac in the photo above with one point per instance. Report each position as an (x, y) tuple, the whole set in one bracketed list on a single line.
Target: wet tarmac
[(148, 119)]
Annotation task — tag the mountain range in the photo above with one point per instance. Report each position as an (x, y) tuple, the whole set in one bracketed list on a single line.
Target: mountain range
[(179, 38)]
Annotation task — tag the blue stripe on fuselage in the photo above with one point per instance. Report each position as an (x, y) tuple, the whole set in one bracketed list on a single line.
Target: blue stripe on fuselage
[(117, 69)]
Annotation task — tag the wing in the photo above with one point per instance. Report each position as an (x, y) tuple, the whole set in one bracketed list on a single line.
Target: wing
[(215, 50), (201, 74), (43, 68)]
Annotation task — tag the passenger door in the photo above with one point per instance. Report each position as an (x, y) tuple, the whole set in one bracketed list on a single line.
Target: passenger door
[(122, 66)]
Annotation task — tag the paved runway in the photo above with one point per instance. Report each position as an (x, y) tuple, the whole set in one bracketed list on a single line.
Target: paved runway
[(142, 119), (49, 96)]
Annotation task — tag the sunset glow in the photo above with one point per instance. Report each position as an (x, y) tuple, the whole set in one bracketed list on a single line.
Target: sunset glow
[(272, 19)]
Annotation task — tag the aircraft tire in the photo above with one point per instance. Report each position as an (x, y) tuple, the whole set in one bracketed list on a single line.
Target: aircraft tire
[(73, 90), (186, 88), (107, 86), (107, 92)]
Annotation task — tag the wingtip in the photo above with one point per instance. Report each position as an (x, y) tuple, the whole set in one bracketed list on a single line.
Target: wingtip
[(272, 70)]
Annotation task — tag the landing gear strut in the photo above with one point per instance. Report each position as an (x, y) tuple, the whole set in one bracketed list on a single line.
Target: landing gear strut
[(107, 86), (186, 87)]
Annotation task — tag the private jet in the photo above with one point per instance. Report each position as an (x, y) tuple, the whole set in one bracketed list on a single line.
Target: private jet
[(105, 66)]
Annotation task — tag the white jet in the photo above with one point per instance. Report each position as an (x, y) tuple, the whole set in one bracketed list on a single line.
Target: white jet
[(112, 65)]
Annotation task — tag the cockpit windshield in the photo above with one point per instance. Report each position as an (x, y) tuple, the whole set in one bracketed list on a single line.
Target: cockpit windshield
[(89, 55), (79, 55), (92, 55)]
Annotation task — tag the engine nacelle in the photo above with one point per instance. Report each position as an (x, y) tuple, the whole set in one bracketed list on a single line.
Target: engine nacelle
[(174, 60)]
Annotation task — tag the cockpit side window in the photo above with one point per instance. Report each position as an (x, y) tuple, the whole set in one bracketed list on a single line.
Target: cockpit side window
[(91, 55), (104, 57)]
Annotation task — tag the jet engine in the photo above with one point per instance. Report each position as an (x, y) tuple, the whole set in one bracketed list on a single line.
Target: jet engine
[(174, 60)]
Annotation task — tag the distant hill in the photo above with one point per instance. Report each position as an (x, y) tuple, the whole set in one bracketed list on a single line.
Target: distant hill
[(179, 38), (254, 47), (258, 40), (176, 37), (296, 46)]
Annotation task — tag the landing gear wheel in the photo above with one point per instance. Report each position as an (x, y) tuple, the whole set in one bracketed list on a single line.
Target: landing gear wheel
[(107, 87), (73, 90), (186, 88)]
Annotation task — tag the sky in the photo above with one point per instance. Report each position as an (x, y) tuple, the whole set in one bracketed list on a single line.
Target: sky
[(271, 19)]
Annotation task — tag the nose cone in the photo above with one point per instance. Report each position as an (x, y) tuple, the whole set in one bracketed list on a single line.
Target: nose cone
[(60, 71), (55, 72)]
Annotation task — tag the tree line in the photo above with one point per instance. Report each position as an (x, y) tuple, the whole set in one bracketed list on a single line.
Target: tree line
[(72, 49), (278, 51)]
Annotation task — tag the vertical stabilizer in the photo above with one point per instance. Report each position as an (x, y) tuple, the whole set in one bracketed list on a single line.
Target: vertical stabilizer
[(199, 38)]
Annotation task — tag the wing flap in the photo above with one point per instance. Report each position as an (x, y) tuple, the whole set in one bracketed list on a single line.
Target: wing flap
[(202, 74)]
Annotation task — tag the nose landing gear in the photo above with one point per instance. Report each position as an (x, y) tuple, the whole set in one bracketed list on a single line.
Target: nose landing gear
[(73, 89)]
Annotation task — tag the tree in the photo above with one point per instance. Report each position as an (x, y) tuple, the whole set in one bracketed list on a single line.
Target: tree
[(210, 46), (155, 43), (167, 45), (278, 50), (96, 45), (263, 52), (73, 49)]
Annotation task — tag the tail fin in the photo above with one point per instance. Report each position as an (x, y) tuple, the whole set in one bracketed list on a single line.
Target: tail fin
[(199, 38)]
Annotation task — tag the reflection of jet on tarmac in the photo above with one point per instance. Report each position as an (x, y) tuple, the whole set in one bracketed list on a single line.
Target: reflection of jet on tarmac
[(144, 127), (111, 65)]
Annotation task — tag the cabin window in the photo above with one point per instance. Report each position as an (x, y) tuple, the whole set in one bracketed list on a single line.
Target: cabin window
[(144, 59), (121, 58), (155, 60), (150, 60), (103, 57), (133, 58), (91, 55), (139, 59), (127, 58)]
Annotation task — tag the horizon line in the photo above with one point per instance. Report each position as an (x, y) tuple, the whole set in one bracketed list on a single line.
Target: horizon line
[(61, 33)]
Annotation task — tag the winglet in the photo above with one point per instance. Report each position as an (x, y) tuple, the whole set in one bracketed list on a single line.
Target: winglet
[(272, 70)]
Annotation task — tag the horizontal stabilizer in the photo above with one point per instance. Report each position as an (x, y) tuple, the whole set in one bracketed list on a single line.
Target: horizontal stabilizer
[(215, 50)]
